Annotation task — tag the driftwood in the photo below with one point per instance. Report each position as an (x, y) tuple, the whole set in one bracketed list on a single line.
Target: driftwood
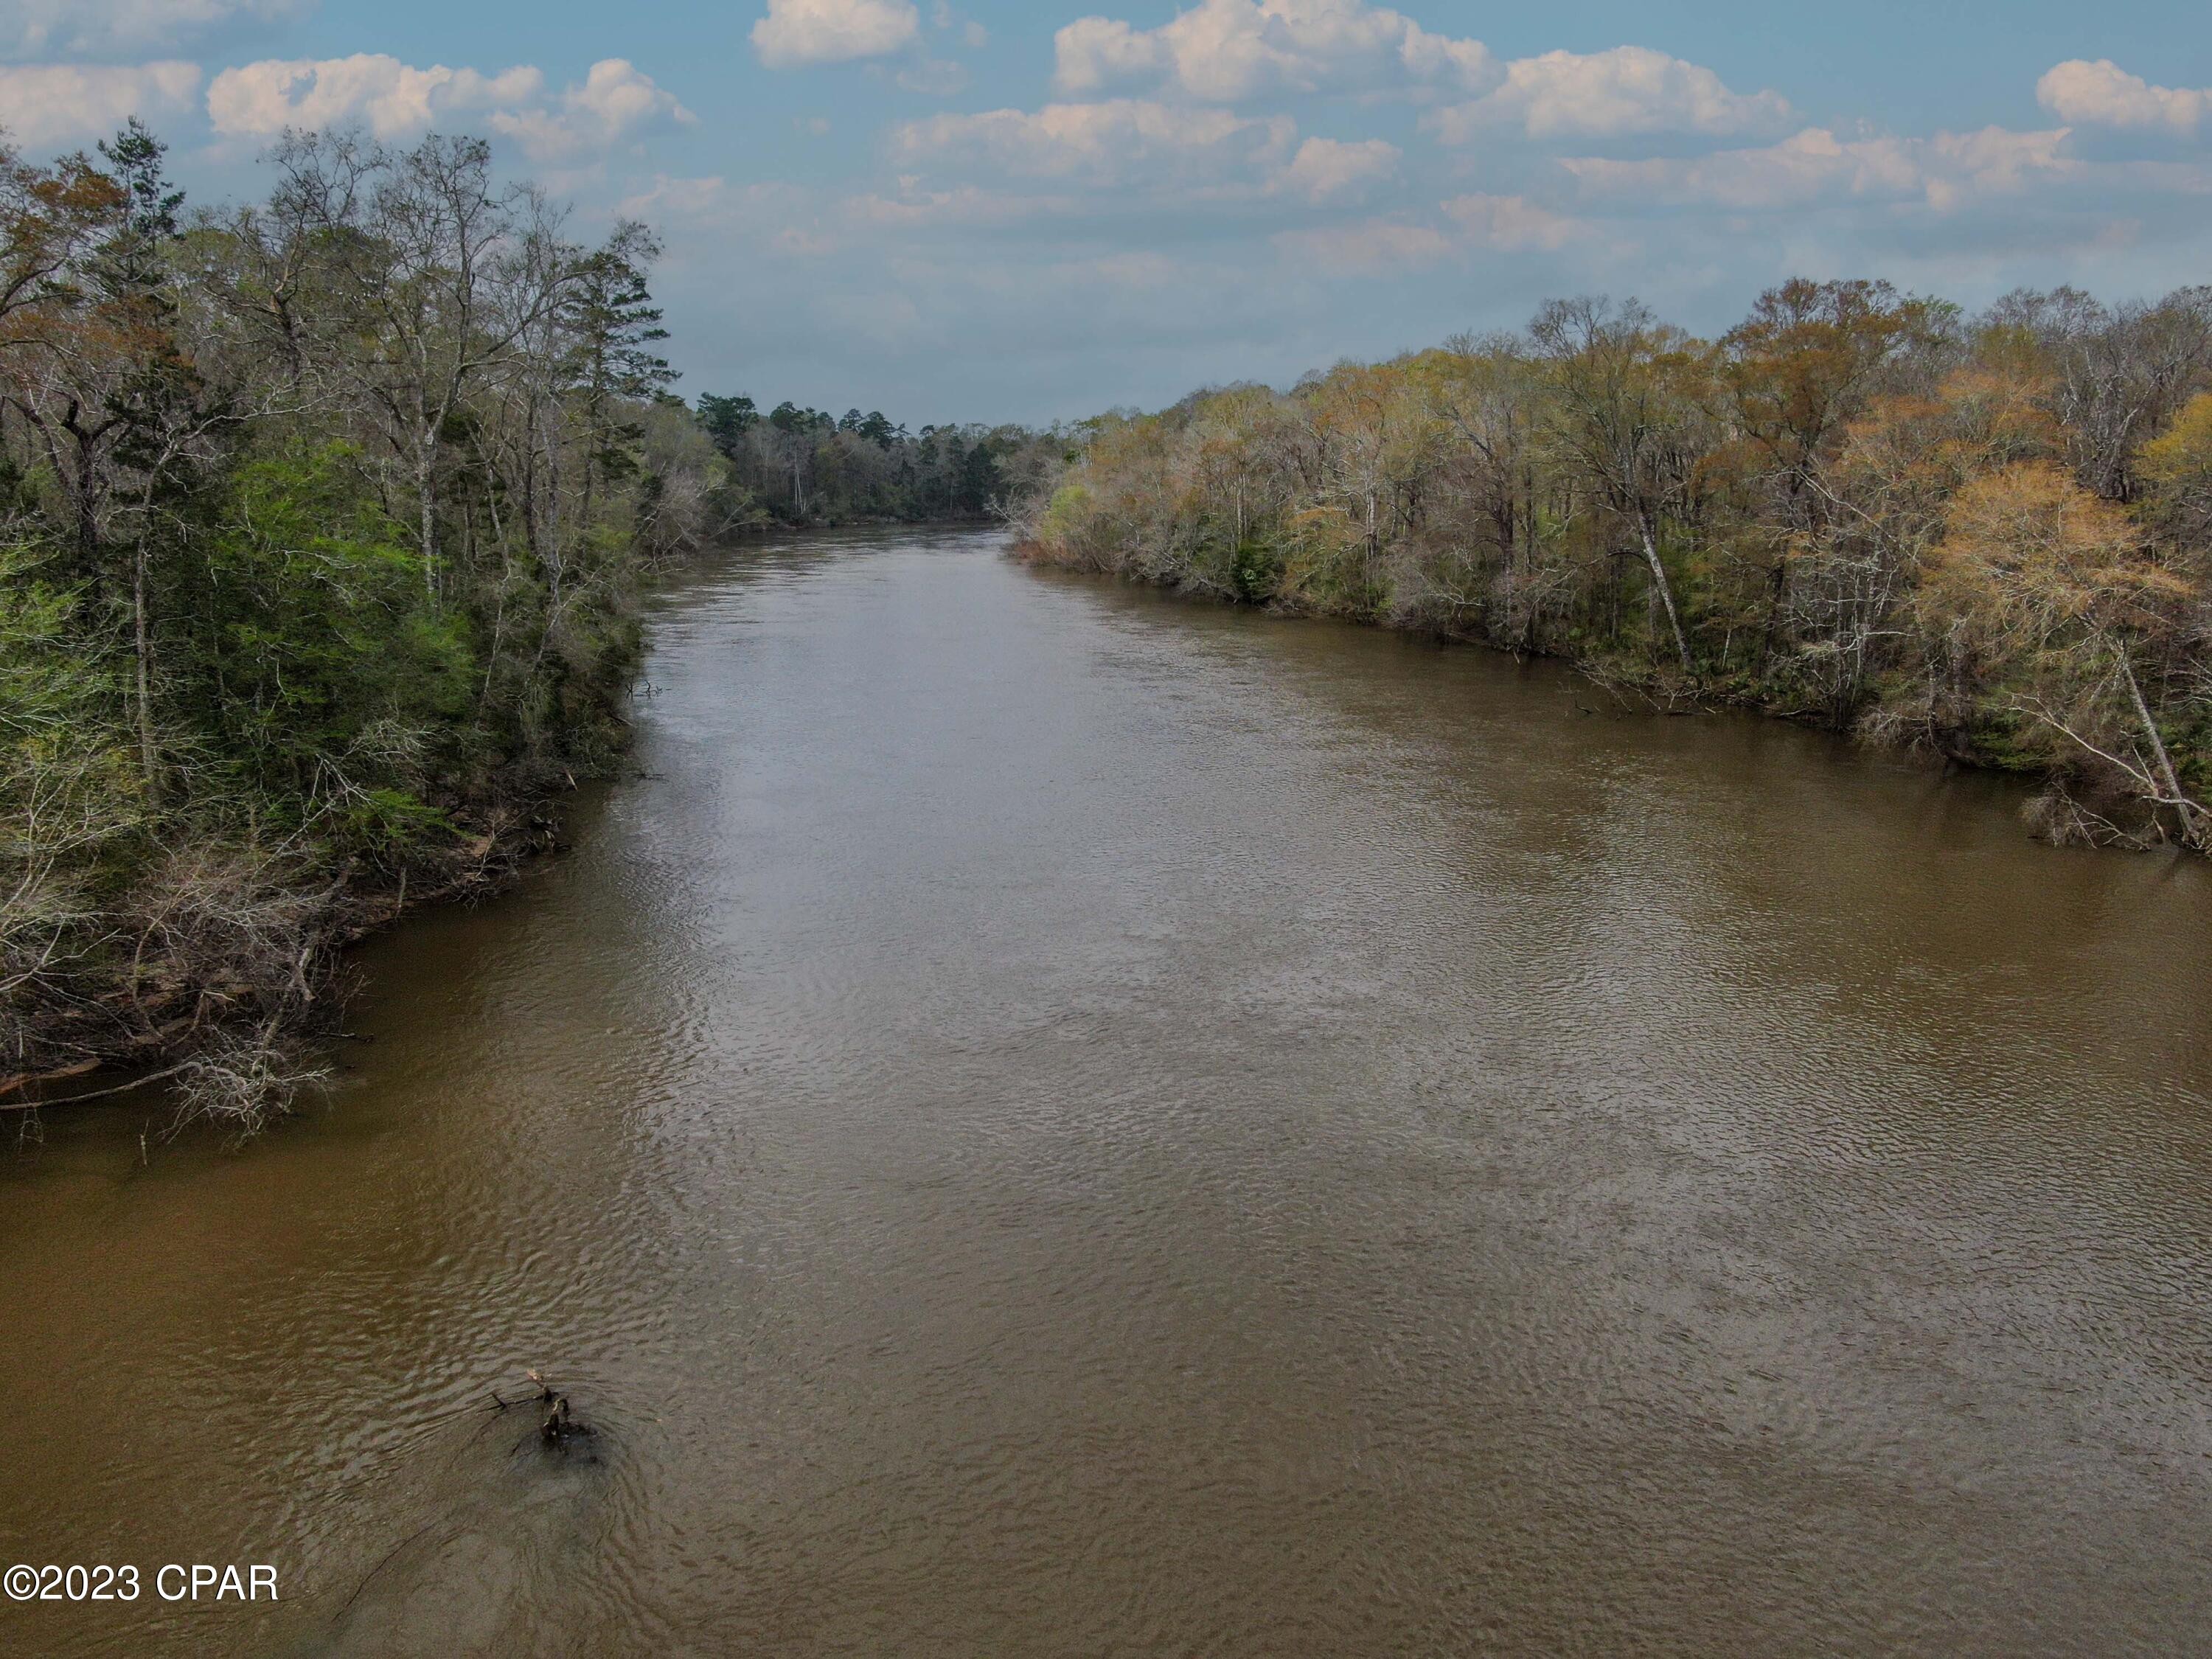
[(558, 1429), (163, 1075), (169, 1013)]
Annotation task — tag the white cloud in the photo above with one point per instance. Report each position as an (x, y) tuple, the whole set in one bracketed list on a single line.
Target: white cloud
[(1802, 168), (395, 101), (945, 209), (1512, 224), (704, 213), (797, 32), (973, 33), (101, 28), (1116, 142), (261, 100), (703, 216), (47, 104), (1496, 224), (1226, 50), (1627, 90), (1329, 169), (616, 100), (1994, 161), (2103, 93), (684, 199), (1945, 170), (1368, 248)]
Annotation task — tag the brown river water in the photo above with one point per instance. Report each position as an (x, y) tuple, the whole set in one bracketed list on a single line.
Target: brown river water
[(1046, 1119)]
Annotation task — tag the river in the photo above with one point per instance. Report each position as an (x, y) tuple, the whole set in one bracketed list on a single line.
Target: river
[(1044, 1119)]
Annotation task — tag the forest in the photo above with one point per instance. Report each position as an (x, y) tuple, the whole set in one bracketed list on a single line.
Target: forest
[(804, 466), (1985, 536), (322, 521)]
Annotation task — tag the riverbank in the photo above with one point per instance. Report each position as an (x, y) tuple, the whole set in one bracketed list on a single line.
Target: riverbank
[(222, 974), (2055, 809), (1984, 538), (140, 1017), (313, 620)]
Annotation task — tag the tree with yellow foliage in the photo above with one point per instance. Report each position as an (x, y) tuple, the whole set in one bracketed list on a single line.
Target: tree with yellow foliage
[(2059, 594), (2178, 469)]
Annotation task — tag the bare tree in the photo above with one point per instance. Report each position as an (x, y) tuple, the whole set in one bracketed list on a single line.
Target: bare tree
[(1628, 411)]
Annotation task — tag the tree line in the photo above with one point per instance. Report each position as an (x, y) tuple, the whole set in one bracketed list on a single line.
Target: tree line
[(798, 466), (320, 522), (1988, 537)]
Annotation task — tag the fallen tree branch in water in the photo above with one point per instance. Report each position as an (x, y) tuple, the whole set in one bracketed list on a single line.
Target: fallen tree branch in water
[(558, 1426), (95, 1094)]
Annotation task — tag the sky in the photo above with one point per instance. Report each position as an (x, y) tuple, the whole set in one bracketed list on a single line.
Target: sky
[(1016, 209)]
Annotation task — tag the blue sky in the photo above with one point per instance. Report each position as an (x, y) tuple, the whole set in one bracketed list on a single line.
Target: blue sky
[(991, 210)]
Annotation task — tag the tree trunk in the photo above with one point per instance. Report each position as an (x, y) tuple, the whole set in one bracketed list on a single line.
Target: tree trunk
[(1666, 595), (143, 648), (2191, 829), (595, 425), (87, 508), (426, 468), (1369, 577), (1777, 597)]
